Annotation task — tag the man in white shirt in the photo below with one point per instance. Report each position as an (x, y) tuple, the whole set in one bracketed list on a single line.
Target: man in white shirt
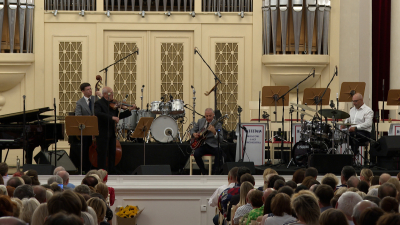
[(362, 116)]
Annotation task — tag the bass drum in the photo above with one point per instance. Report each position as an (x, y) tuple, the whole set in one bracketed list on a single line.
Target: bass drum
[(164, 129), (302, 149)]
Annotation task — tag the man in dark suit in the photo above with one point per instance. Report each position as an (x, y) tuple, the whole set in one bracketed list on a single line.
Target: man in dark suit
[(210, 145), (107, 118), (85, 107)]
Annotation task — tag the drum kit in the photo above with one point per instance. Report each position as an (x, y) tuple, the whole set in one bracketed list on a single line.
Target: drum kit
[(318, 136), (164, 127)]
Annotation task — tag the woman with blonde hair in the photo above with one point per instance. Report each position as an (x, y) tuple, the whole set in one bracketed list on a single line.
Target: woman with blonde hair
[(268, 173), (245, 187), (99, 207), (111, 192), (102, 189), (366, 175), (307, 209), (40, 214), (28, 207)]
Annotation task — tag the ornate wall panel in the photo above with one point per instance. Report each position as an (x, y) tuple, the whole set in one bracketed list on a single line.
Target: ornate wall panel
[(70, 76), (125, 71), (172, 72), (226, 68)]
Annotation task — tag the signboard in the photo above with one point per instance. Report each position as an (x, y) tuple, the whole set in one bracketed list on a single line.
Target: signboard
[(253, 138)]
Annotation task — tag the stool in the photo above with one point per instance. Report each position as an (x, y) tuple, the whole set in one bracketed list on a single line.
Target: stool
[(207, 159)]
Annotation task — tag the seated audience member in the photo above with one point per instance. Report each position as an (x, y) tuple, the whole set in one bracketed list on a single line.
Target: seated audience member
[(311, 172), (330, 181), (291, 184), (87, 218), (375, 180), (389, 205), (366, 175), (40, 214), (334, 200), (17, 206), (267, 199), (18, 174), (346, 203), (58, 169), (83, 202), (90, 181), (341, 190), (232, 177), (14, 182), (24, 191), (49, 194), (55, 178), (3, 190), (306, 209), (362, 194), (282, 210), (102, 189), (308, 182), (235, 199), (10, 191), (300, 188), (389, 219), (55, 188), (313, 187), (325, 194), (346, 173), (8, 220), (331, 175), (6, 208), (353, 182), (4, 172), (93, 214), (361, 207), (383, 178), (272, 179), (109, 212), (39, 193), (373, 199), (268, 173), (29, 206), (298, 176), (370, 216), (257, 204), (227, 194), (65, 177), (387, 189), (333, 217), (287, 190), (27, 179), (278, 184), (373, 192), (100, 208), (398, 176), (244, 204), (104, 177), (66, 201), (363, 186), (82, 189), (395, 182), (34, 176), (63, 219)]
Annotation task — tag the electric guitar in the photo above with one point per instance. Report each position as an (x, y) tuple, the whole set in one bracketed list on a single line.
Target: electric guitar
[(197, 142)]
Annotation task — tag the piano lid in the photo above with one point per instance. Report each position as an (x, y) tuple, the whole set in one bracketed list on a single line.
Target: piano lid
[(31, 115)]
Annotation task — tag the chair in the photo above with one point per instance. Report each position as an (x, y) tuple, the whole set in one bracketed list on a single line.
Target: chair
[(207, 159)]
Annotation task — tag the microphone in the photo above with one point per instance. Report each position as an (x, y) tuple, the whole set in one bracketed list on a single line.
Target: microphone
[(313, 72), (142, 87), (195, 50), (191, 86), (332, 105), (126, 97), (336, 70), (138, 54)]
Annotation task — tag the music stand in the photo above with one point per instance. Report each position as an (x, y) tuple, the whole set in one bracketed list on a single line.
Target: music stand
[(393, 97), (348, 89), (271, 96), (141, 131), (312, 96), (83, 126)]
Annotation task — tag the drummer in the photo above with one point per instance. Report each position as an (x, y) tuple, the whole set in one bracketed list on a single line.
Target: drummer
[(362, 116)]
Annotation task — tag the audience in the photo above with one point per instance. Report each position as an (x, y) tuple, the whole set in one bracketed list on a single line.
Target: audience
[(346, 203), (375, 180), (282, 210), (8, 220), (100, 208), (311, 172), (325, 194), (298, 176), (395, 182), (65, 180), (257, 204), (384, 178), (353, 182), (4, 172), (366, 175), (389, 219), (28, 207), (15, 182), (27, 179), (346, 173), (24, 191), (370, 216), (387, 189), (54, 179), (244, 206), (40, 193), (63, 219), (389, 205), (40, 214), (34, 176), (306, 209), (363, 186), (333, 217), (268, 173), (330, 181), (361, 207)]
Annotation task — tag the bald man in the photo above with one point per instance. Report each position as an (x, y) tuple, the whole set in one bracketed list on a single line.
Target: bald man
[(362, 116), (107, 118), (384, 178)]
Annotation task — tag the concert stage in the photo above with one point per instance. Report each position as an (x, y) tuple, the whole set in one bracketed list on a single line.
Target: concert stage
[(174, 154)]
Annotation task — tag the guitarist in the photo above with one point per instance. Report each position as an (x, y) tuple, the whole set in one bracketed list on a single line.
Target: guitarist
[(210, 145)]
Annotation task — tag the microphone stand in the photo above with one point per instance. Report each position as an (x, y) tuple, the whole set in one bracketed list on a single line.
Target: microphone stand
[(240, 136), (320, 98), (283, 111), (25, 139), (106, 68), (265, 116), (216, 83), (297, 118), (245, 142), (383, 101), (55, 136), (194, 111)]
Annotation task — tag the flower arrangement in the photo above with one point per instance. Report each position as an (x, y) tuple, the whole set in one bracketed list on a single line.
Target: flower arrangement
[(128, 211)]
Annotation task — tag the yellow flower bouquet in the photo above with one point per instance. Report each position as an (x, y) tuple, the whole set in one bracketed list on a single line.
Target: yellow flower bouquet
[(128, 211)]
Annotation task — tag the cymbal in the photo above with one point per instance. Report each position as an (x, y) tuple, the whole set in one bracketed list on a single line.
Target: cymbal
[(304, 107), (302, 112), (51, 118), (333, 112), (346, 124)]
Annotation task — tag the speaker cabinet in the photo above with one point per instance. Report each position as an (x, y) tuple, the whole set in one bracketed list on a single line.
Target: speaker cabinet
[(330, 163), (153, 170), (386, 146), (43, 157), (41, 169), (229, 165)]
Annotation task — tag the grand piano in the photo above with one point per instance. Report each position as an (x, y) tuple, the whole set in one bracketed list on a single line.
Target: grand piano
[(39, 131)]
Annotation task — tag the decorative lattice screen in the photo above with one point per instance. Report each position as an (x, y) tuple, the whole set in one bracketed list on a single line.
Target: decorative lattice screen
[(172, 72), (125, 72), (226, 68), (70, 75)]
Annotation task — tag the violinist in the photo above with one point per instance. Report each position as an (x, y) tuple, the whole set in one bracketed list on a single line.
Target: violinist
[(107, 119)]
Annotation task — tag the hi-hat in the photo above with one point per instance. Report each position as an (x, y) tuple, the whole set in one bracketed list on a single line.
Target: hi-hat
[(329, 113), (306, 107)]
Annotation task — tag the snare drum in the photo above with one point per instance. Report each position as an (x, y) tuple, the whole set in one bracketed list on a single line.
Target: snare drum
[(165, 108), (155, 107), (177, 107)]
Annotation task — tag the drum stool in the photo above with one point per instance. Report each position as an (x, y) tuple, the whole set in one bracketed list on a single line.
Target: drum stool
[(207, 159)]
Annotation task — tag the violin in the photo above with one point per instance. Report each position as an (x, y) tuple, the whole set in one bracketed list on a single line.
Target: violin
[(114, 104)]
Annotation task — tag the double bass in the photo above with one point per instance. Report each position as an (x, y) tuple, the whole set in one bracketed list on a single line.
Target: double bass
[(93, 147)]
